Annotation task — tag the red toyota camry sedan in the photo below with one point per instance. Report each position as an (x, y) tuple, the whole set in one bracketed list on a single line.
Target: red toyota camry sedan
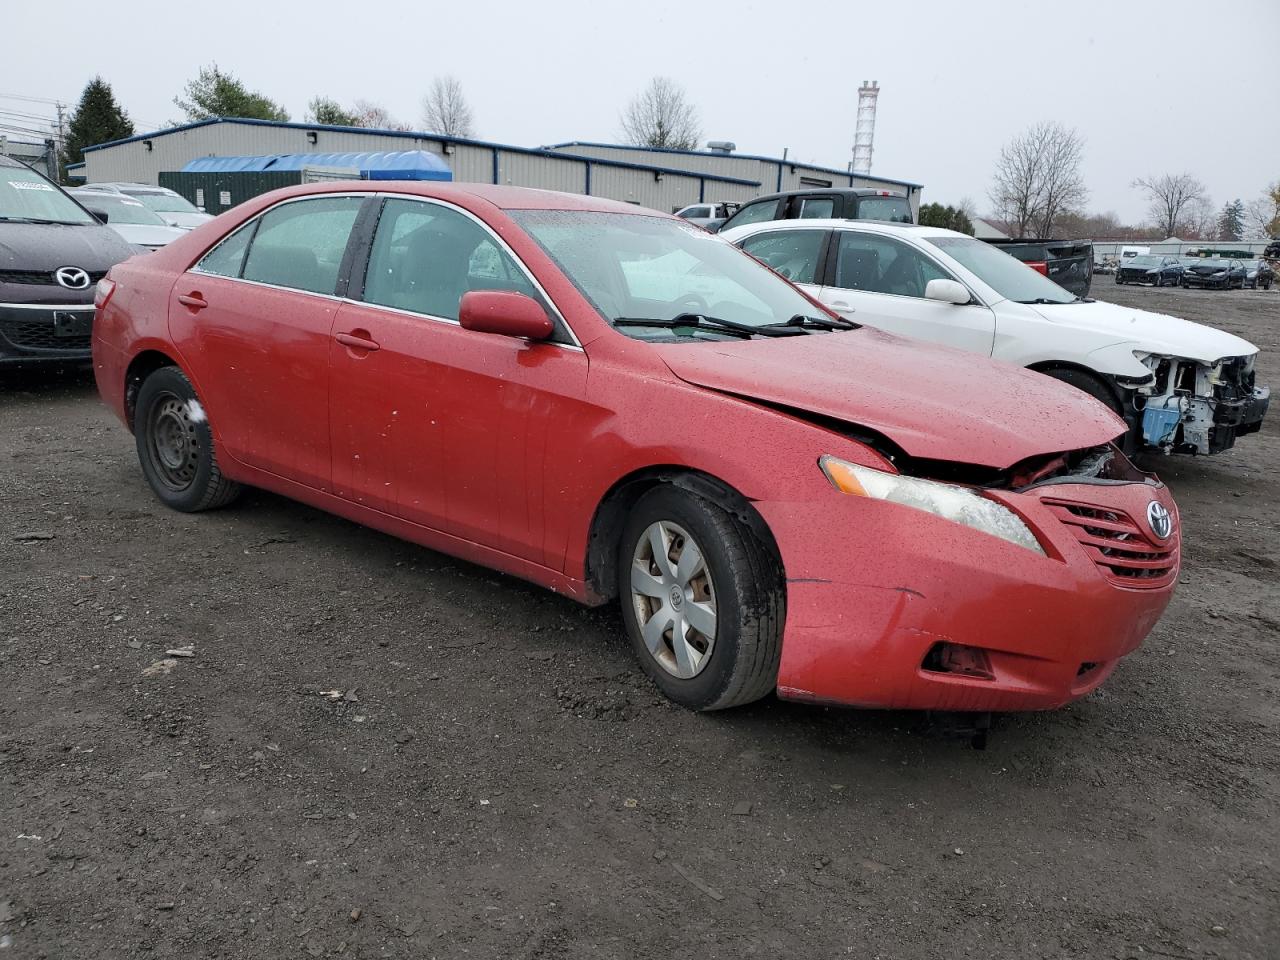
[(617, 405)]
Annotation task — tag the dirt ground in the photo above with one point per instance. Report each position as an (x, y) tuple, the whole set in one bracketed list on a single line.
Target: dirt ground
[(377, 751)]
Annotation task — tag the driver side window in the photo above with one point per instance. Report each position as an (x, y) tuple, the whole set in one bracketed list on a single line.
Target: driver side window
[(426, 256), (792, 253), (879, 264)]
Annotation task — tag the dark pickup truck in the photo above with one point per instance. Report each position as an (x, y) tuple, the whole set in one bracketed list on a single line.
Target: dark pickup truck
[(1068, 263)]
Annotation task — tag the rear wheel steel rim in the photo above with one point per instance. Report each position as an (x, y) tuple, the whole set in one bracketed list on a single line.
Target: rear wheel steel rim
[(674, 599), (173, 442)]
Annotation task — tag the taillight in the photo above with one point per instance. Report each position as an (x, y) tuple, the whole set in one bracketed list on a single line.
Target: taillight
[(1039, 266), (102, 293)]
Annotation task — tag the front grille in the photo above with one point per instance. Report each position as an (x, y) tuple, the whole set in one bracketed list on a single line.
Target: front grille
[(43, 277), (1122, 551), (37, 334)]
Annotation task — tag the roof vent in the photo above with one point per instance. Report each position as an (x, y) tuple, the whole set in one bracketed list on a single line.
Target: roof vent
[(721, 146)]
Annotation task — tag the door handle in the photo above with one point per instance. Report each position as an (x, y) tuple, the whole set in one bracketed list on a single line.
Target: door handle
[(356, 340), (193, 300), (841, 305)]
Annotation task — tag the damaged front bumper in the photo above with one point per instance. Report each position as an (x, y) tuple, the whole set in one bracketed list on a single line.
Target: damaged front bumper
[(1192, 407), (917, 612)]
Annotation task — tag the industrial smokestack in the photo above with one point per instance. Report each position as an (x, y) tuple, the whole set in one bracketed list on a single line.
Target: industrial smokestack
[(865, 132)]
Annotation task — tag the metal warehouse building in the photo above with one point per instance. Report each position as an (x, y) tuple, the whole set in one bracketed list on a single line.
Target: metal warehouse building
[(659, 179)]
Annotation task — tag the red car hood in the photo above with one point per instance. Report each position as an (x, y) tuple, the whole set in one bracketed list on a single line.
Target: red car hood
[(934, 402)]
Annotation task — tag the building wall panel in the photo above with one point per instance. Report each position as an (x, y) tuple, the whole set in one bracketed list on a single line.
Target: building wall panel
[(473, 162)]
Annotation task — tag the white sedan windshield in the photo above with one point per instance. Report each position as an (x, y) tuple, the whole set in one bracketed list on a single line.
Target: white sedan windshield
[(1007, 276), (631, 265)]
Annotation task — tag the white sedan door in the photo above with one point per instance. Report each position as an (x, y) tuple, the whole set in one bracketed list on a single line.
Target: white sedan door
[(880, 281)]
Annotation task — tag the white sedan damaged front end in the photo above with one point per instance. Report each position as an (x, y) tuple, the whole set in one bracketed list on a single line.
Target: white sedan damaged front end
[(1188, 406)]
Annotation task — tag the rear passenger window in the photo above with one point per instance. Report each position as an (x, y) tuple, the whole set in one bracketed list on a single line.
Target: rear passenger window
[(817, 208), (793, 253), (426, 256), (300, 244), (754, 213), (226, 259)]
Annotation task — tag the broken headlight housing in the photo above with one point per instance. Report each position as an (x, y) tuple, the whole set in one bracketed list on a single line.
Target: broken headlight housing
[(951, 502)]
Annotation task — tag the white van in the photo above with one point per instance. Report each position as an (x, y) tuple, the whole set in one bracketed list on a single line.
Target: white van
[(1127, 252)]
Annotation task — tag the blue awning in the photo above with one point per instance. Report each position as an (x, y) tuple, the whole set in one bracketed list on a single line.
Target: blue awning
[(399, 165)]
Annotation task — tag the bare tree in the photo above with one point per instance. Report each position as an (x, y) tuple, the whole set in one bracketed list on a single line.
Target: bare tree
[(1264, 213), (1037, 179), (662, 116), (1171, 198), (375, 115), (1199, 221), (445, 110), (1062, 188)]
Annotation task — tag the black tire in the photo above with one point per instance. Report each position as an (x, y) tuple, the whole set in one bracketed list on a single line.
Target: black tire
[(750, 601), (175, 445)]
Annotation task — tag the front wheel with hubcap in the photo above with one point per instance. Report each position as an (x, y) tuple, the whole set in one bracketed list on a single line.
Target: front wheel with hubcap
[(175, 445), (702, 600)]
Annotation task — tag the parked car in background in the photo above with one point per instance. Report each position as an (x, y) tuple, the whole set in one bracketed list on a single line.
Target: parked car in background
[(1180, 386), (1068, 263), (1150, 268), (844, 203), (174, 208), (1258, 273), (709, 216), (1272, 251), (1213, 273), (927, 530), (52, 252), (128, 217)]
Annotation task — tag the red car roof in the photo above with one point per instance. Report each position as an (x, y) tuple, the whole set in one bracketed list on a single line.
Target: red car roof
[(501, 196)]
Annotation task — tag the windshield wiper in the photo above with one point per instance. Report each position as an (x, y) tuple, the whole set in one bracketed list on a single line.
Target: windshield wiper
[(66, 223), (804, 322), (701, 321), (1046, 300)]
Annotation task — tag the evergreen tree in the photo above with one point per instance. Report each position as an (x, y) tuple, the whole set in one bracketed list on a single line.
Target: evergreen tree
[(97, 119), (949, 218), (328, 111), (1231, 221), (214, 93)]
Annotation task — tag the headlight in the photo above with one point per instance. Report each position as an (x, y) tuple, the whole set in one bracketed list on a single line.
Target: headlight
[(1218, 273), (957, 504)]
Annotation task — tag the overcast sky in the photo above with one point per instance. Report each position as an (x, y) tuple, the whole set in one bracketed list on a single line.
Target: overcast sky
[(1168, 87)]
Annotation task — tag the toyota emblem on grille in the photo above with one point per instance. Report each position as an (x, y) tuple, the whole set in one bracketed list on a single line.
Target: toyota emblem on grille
[(1159, 519), (72, 278)]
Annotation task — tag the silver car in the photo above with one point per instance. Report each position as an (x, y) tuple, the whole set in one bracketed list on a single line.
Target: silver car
[(175, 209)]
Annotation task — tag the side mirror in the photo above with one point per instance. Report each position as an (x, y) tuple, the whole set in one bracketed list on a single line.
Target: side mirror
[(505, 313), (947, 291), (99, 215)]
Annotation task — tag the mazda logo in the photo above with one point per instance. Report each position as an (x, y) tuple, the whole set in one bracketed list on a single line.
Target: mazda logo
[(1159, 519), (73, 278)]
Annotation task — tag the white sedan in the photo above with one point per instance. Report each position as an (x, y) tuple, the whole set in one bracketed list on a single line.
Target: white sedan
[(1180, 385)]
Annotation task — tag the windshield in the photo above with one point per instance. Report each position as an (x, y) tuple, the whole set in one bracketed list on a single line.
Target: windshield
[(892, 209), (1215, 263), (25, 195), (1145, 261), (1008, 277), (119, 209), (164, 202), (630, 265)]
